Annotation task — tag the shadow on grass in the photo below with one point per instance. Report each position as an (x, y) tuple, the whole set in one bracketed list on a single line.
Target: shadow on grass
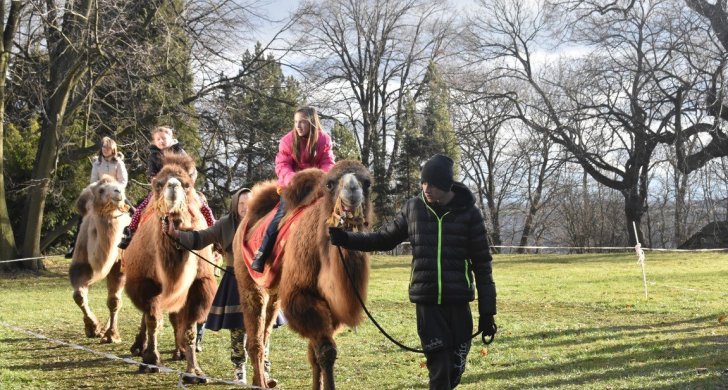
[(635, 330), (683, 362)]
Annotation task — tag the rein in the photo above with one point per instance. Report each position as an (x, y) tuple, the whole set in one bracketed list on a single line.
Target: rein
[(486, 341), (180, 245)]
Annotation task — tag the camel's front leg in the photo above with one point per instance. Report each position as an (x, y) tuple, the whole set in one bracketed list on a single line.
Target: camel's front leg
[(196, 374), (153, 320), (254, 316), (179, 337), (140, 342), (114, 285), (315, 368), (80, 275), (325, 355)]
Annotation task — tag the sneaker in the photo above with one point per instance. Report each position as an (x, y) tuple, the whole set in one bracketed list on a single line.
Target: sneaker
[(69, 252), (239, 374)]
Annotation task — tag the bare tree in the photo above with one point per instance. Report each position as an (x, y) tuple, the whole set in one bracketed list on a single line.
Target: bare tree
[(609, 108), (363, 57), (485, 137)]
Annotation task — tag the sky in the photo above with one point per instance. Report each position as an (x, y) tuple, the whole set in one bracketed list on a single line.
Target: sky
[(275, 10)]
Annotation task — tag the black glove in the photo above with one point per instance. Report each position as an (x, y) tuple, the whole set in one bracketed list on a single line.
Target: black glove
[(339, 237), (487, 325)]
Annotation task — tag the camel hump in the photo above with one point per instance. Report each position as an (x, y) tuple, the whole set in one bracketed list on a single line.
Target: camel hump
[(304, 188), (183, 160), (83, 200), (263, 198)]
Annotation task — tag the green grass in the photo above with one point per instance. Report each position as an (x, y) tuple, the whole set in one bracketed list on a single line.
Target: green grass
[(565, 321)]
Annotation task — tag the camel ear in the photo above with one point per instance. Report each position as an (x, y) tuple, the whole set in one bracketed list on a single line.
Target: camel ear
[(154, 184)]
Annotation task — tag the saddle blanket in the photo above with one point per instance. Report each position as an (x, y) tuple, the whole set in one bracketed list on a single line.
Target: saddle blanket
[(270, 276)]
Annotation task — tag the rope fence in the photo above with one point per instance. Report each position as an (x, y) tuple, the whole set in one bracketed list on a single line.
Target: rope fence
[(406, 249), (111, 356)]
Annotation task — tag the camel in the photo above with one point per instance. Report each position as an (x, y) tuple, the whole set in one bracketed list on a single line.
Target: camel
[(312, 288), (104, 213), (161, 276)]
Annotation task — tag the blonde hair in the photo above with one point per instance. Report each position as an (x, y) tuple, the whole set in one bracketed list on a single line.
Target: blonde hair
[(313, 135), (163, 129), (106, 141)]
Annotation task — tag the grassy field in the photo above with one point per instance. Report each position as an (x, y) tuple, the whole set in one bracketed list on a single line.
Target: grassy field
[(565, 321)]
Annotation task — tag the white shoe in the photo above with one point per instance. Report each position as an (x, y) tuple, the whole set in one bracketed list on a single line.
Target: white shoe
[(240, 375)]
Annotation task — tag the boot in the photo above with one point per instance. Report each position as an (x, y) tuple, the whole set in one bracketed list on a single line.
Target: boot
[(258, 261), (126, 238), (198, 340), (69, 252), (239, 374)]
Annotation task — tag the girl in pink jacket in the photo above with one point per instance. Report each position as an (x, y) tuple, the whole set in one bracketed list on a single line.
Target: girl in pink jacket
[(306, 146)]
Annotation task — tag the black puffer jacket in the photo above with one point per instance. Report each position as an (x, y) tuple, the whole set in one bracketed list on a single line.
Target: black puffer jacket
[(449, 248)]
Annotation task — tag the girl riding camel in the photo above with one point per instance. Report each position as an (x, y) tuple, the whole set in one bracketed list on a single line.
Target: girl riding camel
[(306, 146)]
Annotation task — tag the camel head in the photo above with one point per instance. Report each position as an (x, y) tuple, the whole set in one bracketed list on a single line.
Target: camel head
[(347, 187), (173, 186), (106, 196)]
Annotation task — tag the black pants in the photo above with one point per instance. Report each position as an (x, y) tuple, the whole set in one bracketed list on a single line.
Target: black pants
[(445, 333), (272, 232)]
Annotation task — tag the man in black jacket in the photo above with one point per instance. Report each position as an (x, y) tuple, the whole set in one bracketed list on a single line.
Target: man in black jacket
[(449, 250)]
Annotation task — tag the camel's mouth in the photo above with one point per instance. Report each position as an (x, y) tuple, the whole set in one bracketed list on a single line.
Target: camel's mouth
[(347, 206), (351, 193)]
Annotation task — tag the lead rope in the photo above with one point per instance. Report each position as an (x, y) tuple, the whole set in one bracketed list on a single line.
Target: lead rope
[(180, 245), (384, 332)]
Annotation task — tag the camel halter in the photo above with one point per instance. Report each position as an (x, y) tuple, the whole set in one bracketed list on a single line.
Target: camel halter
[(352, 220)]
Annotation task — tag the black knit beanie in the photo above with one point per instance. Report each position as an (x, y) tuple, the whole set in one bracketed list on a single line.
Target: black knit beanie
[(437, 171)]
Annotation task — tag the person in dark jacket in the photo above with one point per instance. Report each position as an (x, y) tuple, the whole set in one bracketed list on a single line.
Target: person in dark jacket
[(451, 256)]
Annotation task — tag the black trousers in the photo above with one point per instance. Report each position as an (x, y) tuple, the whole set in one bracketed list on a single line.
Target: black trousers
[(445, 333), (272, 232)]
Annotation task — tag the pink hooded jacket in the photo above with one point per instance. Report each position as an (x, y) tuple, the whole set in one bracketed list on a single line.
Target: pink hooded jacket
[(286, 164)]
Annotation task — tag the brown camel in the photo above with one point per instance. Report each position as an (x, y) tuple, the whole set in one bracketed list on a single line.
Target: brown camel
[(312, 287), (164, 277), (104, 213)]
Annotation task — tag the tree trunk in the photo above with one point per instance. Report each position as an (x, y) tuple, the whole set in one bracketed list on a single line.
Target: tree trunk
[(633, 210), (8, 249)]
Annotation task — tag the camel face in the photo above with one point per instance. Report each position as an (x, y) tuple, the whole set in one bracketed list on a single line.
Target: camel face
[(349, 182), (351, 191), (174, 194), (108, 195)]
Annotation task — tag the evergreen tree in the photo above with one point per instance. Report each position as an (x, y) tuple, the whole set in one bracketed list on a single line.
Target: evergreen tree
[(243, 123), (345, 147), (438, 133), (407, 177)]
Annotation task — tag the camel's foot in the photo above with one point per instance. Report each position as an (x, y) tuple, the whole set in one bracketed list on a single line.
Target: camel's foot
[(92, 328), (151, 357), (271, 383), (178, 355), (111, 336), (194, 377), (147, 369)]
